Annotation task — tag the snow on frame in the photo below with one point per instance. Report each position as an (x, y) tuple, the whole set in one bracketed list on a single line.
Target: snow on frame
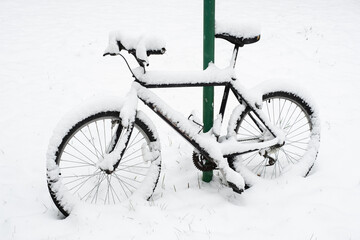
[(205, 140), (212, 74), (255, 98)]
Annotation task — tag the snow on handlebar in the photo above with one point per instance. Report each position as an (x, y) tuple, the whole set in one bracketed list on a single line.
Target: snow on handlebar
[(139, 46)]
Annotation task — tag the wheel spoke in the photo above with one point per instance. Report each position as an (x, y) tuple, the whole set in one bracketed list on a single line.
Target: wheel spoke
[(268, 111), (97, 186), (104, 135), (273, 110), (131, 179), (251, 125), (259, 165), (78, 178), (83, 182), (293, 145), (252, 134), (130, 166), (130, 172), (114, 192), (286, 124), (273, 172), (79, 152), (305, 124), (252, 158), (97, 130), (76, 167), (128, 160), (287, 113), (82, 160), (81, 163), (298, 134), (95, 154), (135, 143), (92, 141), (294, 122), (299, 141), (134, 138), (280, 111), (125, 184), (131, 154), (107, 196), (121, 184), (292, 153)]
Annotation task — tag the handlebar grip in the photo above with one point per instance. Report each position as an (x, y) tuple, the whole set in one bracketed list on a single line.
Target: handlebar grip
[(156, 52), (111, 54), (148, 52)]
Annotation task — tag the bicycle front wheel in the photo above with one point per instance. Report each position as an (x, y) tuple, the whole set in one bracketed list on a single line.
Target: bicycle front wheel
[(297, 119), (73, 174)]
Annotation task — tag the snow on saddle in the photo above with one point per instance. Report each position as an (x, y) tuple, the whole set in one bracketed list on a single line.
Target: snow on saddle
[(238, 34), (139, 46)]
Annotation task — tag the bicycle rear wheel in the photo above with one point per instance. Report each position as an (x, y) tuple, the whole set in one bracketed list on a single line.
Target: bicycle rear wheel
[(297, 119), (73, 174)]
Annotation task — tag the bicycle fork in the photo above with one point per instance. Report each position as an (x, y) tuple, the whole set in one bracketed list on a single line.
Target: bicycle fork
[(120, 140)]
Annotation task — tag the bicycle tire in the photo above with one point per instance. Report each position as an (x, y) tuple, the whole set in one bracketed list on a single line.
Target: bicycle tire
[(72, 173), (300, 123)]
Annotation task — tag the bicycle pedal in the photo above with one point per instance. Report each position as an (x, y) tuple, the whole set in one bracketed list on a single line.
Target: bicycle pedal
[(235, 188)]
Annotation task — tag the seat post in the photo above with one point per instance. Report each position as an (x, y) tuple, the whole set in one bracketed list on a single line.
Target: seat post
[(234, 56)]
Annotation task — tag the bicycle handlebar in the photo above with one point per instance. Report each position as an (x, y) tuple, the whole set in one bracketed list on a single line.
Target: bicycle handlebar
[(132, 51)]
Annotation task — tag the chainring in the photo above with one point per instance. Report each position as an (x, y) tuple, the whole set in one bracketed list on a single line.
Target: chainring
[(202, 163)]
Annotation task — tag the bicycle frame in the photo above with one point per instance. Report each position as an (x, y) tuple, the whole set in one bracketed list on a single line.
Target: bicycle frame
[(179, 124), (202, 142)]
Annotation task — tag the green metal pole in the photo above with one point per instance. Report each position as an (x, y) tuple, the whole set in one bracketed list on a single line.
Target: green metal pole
[(208, 56)]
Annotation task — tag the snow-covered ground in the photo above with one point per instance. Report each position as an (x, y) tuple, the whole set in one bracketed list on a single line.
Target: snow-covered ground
[(51, 60)]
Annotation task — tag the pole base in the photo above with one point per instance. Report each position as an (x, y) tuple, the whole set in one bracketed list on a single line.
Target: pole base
[(207, 176)]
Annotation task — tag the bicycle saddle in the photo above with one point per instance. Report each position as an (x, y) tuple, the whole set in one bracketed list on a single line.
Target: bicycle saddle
[(238, 34)]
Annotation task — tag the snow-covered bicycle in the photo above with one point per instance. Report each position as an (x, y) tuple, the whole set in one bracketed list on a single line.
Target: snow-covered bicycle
[(110, 151)]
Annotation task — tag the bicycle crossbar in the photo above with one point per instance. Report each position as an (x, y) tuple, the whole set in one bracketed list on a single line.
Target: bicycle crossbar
[(212, 76)]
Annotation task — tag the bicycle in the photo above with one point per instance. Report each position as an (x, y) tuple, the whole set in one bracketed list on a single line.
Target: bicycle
[(111, 151)]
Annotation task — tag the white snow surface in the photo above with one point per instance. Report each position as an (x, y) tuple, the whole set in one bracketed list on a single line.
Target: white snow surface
[(51, 60)]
